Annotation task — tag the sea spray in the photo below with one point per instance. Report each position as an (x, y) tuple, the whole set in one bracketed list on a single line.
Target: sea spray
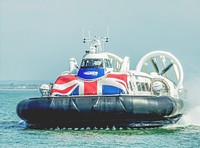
[(191, 114)]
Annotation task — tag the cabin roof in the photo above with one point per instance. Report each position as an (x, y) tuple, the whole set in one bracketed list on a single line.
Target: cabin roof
[(95, 56)]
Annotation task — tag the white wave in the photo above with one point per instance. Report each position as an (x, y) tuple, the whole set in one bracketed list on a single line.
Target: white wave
[(192, 104)]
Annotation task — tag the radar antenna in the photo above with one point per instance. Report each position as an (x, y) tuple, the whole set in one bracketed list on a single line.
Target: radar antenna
[(96, 45)]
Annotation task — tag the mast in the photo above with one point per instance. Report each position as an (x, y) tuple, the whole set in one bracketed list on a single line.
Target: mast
[(97, 45)]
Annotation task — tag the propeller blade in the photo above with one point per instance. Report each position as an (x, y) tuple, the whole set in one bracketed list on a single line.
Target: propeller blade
[(166, 69), (153, 60)]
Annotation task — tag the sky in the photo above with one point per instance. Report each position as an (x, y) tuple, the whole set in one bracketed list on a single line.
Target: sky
[(38, 37)]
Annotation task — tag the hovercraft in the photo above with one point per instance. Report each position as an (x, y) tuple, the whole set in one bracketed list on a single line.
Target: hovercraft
[(103, 92)]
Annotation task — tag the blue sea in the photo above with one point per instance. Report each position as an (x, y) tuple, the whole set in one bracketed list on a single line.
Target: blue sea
[(14, 133)]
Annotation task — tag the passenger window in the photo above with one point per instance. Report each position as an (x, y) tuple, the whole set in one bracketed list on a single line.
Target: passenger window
[(147, 87), (107, 63), (130, 85), (138, 86), (143, 86)]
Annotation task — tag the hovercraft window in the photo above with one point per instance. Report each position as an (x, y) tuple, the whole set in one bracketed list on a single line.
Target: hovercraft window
[(107, 63), (130, 85), (147, 86), (138, 86), (142, 86), (91, 63)]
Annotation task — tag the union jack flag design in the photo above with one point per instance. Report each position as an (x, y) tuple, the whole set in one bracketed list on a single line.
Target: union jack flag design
[(70, 85)]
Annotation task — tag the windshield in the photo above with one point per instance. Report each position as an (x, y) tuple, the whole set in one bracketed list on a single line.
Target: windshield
[(92, 63)]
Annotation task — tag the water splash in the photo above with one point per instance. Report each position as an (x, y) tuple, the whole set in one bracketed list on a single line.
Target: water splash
[(192, 104)]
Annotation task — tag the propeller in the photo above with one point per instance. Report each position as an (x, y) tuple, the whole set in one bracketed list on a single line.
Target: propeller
[(164, 57), (153, 60), (166, 69)]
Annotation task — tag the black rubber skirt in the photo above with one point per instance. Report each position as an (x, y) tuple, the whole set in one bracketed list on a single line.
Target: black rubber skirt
[(124, 111)]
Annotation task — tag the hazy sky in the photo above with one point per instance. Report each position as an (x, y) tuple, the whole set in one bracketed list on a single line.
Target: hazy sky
[(38, 37)]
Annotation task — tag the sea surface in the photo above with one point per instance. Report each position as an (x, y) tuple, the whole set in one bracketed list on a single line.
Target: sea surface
[(14, 133)]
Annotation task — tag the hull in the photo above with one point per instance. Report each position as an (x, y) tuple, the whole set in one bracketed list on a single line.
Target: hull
[(124, 111)]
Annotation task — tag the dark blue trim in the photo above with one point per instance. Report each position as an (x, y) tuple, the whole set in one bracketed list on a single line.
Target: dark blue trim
[(91, 73)]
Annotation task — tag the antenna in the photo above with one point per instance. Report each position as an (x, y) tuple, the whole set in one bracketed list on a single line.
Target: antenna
[(83, 35), (88, 35), (97, 44), (85, 38), (107, 34)]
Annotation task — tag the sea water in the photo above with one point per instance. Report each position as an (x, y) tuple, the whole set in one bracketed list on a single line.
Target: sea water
[(14, 133)]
